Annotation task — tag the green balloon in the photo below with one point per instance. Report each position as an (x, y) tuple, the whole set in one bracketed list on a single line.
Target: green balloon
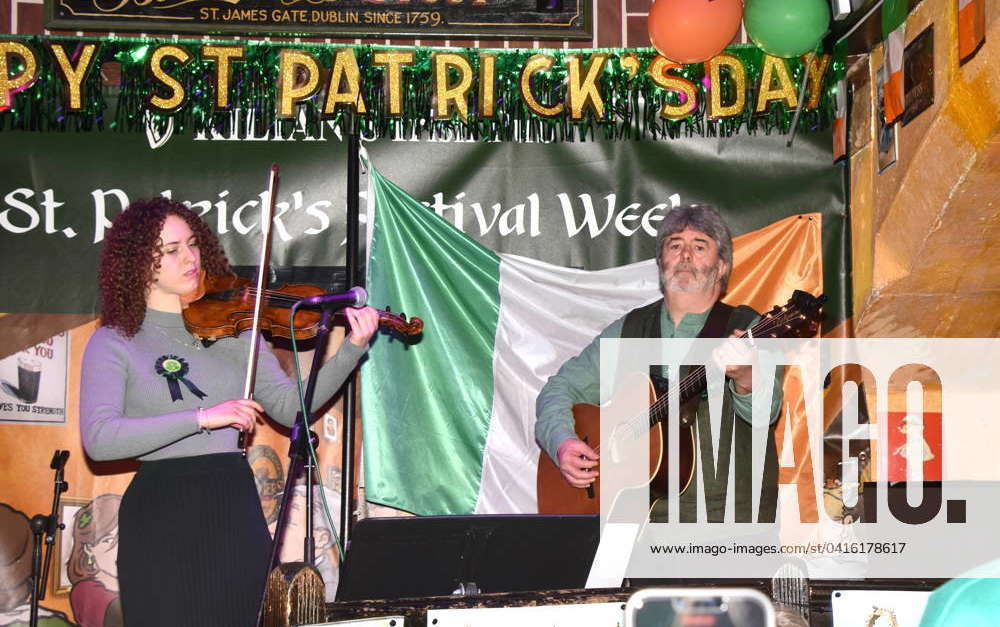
[(786, 28)]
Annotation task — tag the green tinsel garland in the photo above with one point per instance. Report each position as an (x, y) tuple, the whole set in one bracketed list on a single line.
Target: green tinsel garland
[(631, 104)]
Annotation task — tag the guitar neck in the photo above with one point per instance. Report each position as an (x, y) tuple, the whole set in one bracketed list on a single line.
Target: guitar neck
[(691, 386), (695, 382)]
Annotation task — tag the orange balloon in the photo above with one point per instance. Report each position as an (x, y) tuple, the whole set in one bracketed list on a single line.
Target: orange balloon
[(691, 31)]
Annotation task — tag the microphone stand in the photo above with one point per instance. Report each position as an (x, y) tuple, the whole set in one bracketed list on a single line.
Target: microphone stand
[(299, 458), (47, 526)]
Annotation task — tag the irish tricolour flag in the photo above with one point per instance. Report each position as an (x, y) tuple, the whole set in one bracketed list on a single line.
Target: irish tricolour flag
[(448, 421), (971, 27), (894, 14)]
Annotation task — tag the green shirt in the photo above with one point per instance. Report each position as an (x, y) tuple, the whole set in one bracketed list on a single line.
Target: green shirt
[(578, 381)]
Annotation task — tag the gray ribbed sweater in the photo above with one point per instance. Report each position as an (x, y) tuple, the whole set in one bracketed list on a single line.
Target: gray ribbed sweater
[(125, 406)]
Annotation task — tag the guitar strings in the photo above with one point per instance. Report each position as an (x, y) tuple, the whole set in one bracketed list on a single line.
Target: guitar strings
[(640, 423), (697, 374)]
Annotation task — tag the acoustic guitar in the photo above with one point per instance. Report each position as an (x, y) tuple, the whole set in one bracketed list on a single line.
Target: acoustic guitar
[(799, 317)]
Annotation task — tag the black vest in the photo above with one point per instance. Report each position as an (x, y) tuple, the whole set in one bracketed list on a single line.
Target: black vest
[(714, 468)]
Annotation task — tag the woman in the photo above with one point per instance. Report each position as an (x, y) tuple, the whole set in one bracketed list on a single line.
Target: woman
[(92, 565), (193, 543)]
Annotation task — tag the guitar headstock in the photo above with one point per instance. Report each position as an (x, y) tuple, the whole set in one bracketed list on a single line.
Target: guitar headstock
[(799, 317)]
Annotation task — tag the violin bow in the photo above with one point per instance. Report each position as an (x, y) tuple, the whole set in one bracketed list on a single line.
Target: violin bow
[(258, 304)]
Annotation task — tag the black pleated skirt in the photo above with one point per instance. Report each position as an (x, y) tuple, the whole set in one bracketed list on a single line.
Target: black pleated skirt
[(193, 544)]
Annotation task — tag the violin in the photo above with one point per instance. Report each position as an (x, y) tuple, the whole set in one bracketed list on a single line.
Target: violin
[(223, 306), (228, 305)]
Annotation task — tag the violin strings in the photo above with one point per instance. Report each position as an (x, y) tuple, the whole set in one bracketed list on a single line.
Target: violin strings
[(274, 296)]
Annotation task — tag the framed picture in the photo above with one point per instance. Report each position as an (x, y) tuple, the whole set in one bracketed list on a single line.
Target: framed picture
[(918, 74), (68, 507), (530, 19), (859, 132), (886, 137), (33, 382)]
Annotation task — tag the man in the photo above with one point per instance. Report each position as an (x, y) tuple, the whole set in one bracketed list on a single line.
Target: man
[(695, 257)]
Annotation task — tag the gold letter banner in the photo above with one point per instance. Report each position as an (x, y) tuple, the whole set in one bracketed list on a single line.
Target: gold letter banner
[(200, 86), (18, 71)]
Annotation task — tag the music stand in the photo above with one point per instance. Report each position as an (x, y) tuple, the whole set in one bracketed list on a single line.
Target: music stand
[(392, 558)]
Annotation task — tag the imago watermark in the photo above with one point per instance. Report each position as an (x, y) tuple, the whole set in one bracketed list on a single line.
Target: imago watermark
[(851, 458)]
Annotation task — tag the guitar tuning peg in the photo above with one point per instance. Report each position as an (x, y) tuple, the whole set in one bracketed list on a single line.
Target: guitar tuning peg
[(387, 309)]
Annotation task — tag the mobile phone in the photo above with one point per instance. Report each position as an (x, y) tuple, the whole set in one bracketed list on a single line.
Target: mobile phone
[(699, 607)]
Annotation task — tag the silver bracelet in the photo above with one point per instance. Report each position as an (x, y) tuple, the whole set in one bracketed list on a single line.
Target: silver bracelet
[(200, 415)]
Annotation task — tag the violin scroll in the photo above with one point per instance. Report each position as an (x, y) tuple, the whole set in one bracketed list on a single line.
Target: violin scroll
[(399, 323)]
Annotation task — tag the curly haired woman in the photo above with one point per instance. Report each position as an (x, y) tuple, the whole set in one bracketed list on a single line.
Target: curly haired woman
[(193, 543)]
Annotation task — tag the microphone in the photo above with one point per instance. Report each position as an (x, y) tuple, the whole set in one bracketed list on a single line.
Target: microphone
[(354, 297)]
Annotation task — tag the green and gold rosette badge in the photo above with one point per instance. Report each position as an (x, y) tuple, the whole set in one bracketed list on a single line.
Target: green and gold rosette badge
[(174, 369)]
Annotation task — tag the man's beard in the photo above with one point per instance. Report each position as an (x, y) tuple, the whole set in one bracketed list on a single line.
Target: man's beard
[(700, 279)]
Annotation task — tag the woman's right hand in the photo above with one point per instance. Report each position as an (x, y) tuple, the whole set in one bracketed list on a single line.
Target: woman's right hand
[(241, 413)]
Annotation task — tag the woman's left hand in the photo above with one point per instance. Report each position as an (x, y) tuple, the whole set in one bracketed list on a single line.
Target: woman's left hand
[(363, 323)]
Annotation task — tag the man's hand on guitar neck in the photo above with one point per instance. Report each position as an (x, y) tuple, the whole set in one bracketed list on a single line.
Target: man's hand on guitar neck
[(577, 462), (741, 353)]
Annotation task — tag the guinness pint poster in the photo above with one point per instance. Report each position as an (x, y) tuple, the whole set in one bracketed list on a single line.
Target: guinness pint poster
[(33, 383)]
